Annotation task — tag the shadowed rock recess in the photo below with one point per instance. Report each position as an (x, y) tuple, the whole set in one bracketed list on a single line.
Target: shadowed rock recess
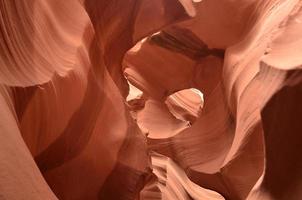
[(150, 99)]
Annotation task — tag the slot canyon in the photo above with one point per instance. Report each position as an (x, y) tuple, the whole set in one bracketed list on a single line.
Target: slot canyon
[(151, 100)]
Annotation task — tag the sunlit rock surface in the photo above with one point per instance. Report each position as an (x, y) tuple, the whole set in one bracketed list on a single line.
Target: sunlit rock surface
[(141, 99)]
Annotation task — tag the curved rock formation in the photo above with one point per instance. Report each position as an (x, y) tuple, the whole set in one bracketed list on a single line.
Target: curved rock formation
[(140, 99)]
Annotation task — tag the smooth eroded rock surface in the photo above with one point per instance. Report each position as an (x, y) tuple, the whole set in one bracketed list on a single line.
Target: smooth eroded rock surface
[(150, 99)]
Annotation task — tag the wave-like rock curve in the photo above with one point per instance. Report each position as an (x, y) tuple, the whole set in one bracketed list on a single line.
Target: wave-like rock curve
[(140, 99)]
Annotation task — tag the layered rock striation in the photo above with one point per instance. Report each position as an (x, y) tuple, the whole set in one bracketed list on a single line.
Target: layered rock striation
[(140, 99)]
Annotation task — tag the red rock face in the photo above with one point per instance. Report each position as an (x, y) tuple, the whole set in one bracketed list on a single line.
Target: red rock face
[(140, 99)]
